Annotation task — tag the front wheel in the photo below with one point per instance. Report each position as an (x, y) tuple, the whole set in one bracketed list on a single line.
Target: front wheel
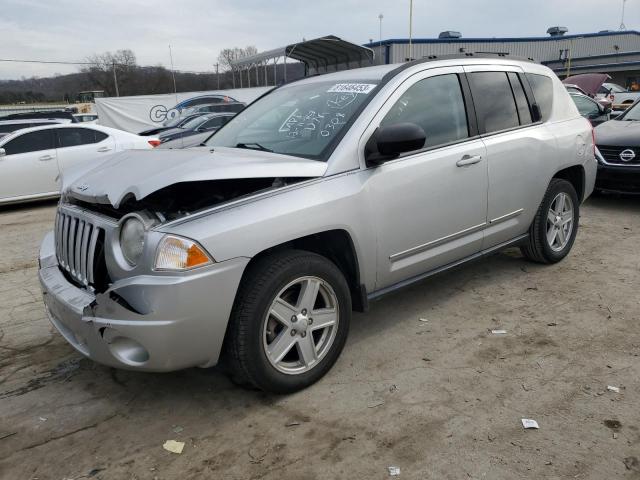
[(555, 225), (289, 323)]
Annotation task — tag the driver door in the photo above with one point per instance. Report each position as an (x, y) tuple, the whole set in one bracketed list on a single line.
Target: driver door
[(429, 206)]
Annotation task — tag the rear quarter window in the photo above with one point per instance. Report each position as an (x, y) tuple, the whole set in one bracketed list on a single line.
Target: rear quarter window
[(542, 87)]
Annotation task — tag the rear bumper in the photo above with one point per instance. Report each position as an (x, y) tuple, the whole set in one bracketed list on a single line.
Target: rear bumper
[(178, 321), (618, 179)]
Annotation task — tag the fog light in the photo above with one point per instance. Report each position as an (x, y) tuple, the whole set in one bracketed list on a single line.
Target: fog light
[(128, 350)]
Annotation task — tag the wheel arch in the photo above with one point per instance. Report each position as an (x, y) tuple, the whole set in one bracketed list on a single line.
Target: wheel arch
[(337, 246), (575, 175)]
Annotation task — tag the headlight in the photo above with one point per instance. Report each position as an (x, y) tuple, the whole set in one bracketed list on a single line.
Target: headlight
[(132, 239), (177, 253)]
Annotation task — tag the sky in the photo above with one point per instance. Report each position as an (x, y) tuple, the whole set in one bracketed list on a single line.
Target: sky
[(71, 30)]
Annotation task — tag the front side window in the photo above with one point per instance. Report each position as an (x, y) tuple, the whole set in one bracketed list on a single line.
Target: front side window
[(303, 120), (72, 137), (30, 142), (436, 104), (542, 87), (494, 101)]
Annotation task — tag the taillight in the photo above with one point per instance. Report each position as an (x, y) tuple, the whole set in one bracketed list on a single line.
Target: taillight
[(154, 142)]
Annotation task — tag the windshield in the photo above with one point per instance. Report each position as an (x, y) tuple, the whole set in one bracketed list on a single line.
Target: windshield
[(615, 88), (633, 114), (177, 121), (299, 120), (195, 122)]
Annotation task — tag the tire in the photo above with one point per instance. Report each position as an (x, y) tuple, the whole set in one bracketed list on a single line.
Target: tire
[(251, 348), (539, 247)]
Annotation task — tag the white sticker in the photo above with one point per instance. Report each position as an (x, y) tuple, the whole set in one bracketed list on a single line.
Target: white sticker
[(352, 88), (528, 423)]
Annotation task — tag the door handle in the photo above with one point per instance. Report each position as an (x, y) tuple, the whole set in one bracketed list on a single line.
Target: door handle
[(468, 160), (104, 149), (44, 158)]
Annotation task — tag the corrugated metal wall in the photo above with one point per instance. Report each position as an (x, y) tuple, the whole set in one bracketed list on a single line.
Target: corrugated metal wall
[(541, 50)]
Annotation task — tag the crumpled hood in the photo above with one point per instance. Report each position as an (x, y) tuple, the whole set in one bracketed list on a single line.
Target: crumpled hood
[(142, 172), (618, 133)]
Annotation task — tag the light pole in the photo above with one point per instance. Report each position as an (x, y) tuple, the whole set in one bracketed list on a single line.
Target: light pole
[(380, 17), (622, 25), (410, 30)]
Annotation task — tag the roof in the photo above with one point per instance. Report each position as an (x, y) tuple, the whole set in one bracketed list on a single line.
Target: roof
[(501, 40), (323, 52)]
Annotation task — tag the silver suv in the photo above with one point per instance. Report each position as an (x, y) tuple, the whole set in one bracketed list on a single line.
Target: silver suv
[(252, 250)]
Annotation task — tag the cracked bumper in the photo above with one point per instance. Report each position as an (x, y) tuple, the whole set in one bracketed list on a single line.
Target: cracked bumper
[(152, 323)]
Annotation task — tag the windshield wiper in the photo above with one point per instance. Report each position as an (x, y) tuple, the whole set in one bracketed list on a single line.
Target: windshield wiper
[(253, 146)]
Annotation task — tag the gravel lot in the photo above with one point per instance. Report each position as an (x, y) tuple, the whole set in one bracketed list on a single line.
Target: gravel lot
[(441, 399)]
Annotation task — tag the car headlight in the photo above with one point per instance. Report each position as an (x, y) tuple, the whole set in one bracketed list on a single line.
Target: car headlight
[(132, 233), (178, 253)]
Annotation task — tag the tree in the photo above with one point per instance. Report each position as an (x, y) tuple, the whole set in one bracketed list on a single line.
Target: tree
[(101, 70), (228, 55)]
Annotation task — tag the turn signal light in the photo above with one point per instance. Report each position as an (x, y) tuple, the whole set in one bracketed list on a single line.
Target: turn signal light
[(154, 142), (177, 253)]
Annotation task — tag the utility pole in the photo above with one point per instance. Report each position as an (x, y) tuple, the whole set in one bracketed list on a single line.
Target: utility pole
[(115, 78), (410, 30), (173, 74), (218, 75), (622, 25)]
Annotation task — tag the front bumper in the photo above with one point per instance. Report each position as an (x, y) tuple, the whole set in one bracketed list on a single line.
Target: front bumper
[(157, 323), (618, 178)]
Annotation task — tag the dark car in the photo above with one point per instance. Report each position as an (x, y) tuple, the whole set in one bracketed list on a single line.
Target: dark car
[(186, 142), (46, 115), (618, 152), (591, 109), (203, 123), (176, 122)]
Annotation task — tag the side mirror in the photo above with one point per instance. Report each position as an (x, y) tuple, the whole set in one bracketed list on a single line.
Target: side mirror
[(3, 152), (393, 140), (536, 113)]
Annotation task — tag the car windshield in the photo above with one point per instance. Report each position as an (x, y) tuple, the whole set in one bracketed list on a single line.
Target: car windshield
[(633, 114), (176, 121), (615, 88), (301, 119), (195, 122)]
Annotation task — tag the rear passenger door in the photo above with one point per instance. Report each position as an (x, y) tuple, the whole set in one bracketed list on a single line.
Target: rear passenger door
[(29, 165), (77, 144), (516, 149)]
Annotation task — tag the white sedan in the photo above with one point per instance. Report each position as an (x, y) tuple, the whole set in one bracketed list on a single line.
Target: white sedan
[(31, 159)]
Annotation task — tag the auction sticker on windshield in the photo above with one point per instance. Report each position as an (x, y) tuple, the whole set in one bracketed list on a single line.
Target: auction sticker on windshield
[(351, 88)]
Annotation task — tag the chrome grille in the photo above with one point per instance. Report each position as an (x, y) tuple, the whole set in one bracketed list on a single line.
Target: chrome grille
[(76, 241), (612, 155)]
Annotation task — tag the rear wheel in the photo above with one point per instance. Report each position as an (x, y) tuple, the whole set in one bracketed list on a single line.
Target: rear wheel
[(289, 323), (555, 225)]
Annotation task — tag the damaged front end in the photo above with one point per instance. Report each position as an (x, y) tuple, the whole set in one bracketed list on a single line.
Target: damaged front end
[(128, 295)]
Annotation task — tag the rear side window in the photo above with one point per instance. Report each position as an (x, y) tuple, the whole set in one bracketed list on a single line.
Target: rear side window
[(542, 87), (437, 105), (72, 137), (524, 114), (495, 105), (30, 142)]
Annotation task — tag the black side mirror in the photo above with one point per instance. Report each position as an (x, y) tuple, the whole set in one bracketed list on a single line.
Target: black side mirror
[(536, 113), (393, 140)]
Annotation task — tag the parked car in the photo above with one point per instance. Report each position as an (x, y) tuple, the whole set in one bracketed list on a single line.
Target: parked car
[(176, 122), (8, 126), (576, 89), (618, 152), (31, 159), (196, 140), (233, 107), (620, 97), (224, 103), (202, 123), (43, 115), (321, 196), (86, 118), (590, 109)]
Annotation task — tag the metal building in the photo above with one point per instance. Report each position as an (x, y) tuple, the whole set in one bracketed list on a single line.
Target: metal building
[(614, 52)]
